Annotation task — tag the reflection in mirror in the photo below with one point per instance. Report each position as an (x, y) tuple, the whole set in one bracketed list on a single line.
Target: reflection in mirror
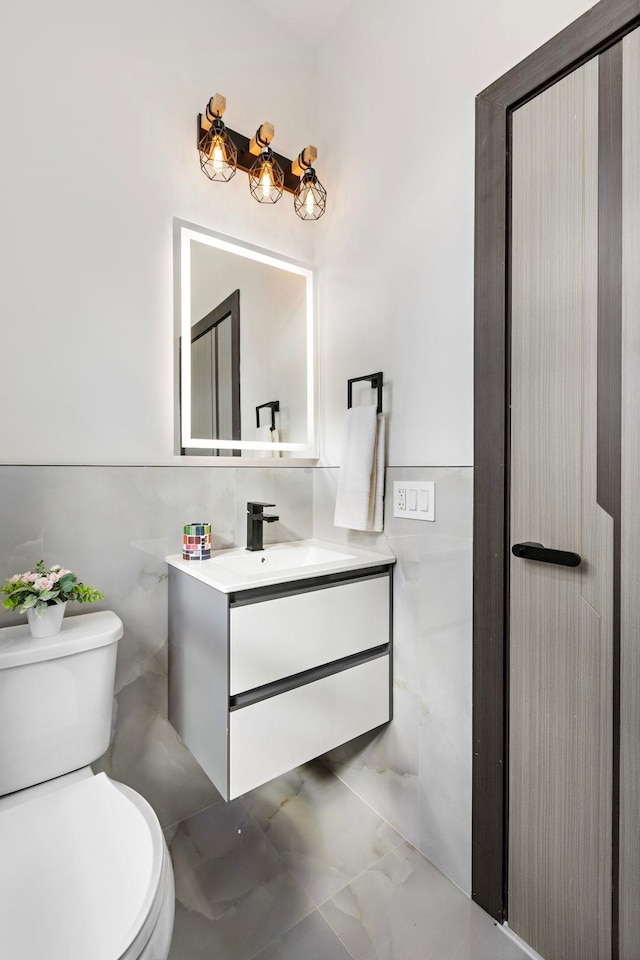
[(248, 314), (215, 374)]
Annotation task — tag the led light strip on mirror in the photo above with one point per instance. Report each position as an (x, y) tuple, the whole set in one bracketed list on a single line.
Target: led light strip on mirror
[(186, 234)]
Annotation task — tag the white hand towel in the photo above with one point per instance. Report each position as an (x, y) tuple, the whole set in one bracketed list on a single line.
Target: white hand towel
[(275, 438), (267, 435), (376, 506), (361, 478)]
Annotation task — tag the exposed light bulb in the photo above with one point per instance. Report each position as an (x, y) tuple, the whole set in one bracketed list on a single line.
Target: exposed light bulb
[(218, 155), (266, 179), (310, 201), (310, 196)]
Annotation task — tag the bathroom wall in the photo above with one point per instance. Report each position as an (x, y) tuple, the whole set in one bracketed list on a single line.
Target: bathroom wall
[(395, 258), (396, 123), (416, 772), (114, 526), (99, 154)]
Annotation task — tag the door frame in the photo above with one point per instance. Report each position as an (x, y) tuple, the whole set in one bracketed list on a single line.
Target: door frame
[(600, 27)]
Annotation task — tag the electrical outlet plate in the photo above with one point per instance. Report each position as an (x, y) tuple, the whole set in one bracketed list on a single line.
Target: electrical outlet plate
[(414, 499)]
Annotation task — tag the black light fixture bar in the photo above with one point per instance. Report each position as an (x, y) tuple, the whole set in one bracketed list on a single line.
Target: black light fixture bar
[(246, 159)]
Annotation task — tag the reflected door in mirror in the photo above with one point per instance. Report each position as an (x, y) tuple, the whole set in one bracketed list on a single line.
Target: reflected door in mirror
[(215, 376)]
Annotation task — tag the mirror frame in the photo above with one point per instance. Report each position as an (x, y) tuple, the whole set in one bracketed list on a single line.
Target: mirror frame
[(184, 233)]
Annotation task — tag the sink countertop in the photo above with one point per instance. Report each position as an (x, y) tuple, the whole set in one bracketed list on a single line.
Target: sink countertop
[(278, 563)]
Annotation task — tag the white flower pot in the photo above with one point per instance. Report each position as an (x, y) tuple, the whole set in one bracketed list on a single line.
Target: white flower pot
[(46, 622)]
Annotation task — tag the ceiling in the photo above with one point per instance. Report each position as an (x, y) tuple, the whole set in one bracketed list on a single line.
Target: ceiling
[(310, 20)]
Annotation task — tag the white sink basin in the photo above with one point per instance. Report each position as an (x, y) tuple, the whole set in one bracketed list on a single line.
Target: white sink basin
[(239, 569), (289, 557)]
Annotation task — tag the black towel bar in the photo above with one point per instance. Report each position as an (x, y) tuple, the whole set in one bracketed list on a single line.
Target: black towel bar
[(375, 379)]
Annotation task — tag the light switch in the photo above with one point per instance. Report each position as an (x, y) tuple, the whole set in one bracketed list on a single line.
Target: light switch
[(414, 499)]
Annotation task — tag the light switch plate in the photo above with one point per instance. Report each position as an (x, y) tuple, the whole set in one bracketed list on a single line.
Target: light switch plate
[(414, 499)]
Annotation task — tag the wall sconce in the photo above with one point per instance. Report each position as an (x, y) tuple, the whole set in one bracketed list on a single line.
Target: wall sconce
[(218, 152), (266, 176), (310, 198), (223, 150)]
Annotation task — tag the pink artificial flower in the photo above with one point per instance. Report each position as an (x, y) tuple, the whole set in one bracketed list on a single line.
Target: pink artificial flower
[(63, 573), (55, 567), (53, 576), (25, 577), (43, 583), (15, 578)]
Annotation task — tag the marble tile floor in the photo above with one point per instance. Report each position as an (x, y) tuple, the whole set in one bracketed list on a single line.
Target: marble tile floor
[(302, 869)]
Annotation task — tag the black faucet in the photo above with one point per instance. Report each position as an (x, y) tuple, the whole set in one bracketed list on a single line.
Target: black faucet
[(255, 519)]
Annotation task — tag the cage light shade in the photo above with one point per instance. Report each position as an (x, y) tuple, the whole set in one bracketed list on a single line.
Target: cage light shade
[(310, 199), (218, 153), (266, 178)]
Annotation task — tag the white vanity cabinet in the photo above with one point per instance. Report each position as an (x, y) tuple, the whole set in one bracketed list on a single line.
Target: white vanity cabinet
[(264, 679)]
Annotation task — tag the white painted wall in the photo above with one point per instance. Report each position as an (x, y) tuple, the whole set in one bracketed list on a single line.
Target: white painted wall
[(98, 155), (397, 84)]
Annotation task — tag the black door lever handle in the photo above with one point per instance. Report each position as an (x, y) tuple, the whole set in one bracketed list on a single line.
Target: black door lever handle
[(535, 551)]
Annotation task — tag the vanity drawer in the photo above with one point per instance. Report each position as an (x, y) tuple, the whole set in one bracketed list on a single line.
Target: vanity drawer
[(278, 638), (272, 736)]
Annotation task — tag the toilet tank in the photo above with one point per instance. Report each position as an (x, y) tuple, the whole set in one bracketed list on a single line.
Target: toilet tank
[(56, 698)]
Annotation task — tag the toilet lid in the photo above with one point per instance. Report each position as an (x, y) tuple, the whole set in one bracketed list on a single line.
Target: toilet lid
[(79, 870)]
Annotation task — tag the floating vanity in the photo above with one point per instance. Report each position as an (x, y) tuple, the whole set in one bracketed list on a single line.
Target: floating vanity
[(276, 657)]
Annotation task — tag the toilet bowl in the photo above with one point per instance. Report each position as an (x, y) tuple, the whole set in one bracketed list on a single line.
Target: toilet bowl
[(85, 872)]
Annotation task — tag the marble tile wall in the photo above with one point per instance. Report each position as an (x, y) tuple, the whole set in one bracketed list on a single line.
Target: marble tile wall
[(114, 526), (416, 772)]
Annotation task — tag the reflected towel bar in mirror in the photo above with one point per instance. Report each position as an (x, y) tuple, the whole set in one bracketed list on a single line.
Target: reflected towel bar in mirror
[(274, 405)]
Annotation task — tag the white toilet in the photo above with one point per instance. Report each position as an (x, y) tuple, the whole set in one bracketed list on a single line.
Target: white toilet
[(85, 872)]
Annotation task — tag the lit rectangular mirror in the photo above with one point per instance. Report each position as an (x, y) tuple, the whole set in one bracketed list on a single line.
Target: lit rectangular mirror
[(246, 384)]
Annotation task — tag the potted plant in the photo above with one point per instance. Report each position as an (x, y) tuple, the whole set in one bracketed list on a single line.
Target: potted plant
[(43, 594)]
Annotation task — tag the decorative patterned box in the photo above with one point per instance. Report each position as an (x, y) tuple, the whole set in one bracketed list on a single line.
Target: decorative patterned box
[(196, 541)]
